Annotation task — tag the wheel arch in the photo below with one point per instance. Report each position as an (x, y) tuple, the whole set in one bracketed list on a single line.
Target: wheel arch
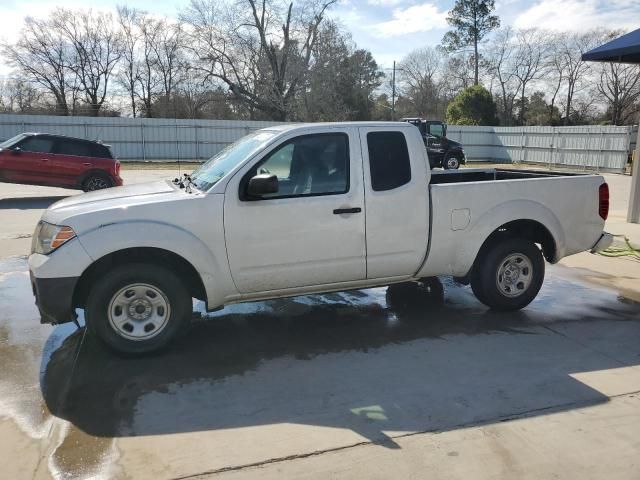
[(94, 171), (153, 255), (523, 228), (524, 218)]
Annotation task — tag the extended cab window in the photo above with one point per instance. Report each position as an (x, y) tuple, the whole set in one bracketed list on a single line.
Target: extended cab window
[(388, 160), (307, 165), (37, 144)]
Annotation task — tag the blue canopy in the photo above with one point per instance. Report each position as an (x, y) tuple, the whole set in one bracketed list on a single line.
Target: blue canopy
[(625, 49)]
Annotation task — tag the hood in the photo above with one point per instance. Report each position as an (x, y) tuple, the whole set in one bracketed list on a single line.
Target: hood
[(137, 190), (453, 144), (121, 201)]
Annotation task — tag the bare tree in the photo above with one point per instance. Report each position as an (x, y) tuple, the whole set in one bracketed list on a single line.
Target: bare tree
[(619, 84), (44, 55), (18, 95), (263, 65), (128, 74), (529, 63), (97, 48), (168, 49), (458, 73), (421, 73), (566, 62), (498, 61)]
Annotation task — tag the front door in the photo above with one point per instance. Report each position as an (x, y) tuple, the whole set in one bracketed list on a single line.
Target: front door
[(30, 162), (312, 231)]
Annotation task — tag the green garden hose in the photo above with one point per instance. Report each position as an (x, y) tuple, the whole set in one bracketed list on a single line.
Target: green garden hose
[(626, 249)]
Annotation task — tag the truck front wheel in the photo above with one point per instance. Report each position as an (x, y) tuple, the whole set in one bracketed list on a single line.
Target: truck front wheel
[(138, 308), (451, 162), (508, 274)]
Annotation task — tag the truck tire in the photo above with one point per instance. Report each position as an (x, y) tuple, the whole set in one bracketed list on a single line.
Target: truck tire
[(508, 274), (96, 181), (451, 162), (138, 308)]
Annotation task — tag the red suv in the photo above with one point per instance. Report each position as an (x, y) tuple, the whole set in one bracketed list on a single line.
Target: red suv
[(58, 161)]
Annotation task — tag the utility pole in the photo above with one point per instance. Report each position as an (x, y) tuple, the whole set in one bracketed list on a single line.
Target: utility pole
[(393, 92)]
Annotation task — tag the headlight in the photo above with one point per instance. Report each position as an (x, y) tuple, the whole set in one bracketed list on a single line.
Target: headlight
[(48, 237)]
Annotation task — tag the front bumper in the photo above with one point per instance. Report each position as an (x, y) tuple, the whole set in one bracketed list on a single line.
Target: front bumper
[(604, 242), (54, 298)]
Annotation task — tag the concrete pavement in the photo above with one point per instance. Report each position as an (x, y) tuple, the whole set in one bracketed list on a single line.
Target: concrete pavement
[(375, 383)]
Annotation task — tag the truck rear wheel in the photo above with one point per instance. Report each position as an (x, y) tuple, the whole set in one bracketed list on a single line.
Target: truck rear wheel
[(509, 274), (138, 308), (96, 181)]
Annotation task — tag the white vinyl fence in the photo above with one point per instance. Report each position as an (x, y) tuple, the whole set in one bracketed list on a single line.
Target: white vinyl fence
[(150, 139)]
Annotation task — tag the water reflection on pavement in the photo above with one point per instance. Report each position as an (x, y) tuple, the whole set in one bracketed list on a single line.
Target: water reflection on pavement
[(372, 361)]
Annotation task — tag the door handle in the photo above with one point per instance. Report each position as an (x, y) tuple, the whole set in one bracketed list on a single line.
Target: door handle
[(339, 211), (45, 160)]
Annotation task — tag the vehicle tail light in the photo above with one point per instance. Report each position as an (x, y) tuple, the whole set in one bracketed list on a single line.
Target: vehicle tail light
[(603, 203), (117, 167)]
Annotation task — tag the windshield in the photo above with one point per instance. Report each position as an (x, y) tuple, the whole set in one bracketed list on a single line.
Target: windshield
[(12, 140), (223, 162)]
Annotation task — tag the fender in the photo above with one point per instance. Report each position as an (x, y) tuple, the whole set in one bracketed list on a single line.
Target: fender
[(112, 237), (499, 215)]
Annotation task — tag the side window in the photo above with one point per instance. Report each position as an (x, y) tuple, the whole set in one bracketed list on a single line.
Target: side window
[(99, 151), (388, 160), (436, 129), (71, 147), (37, 145), (307, 165)]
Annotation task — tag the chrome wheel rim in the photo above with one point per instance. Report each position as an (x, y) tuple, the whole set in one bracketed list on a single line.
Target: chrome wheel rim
[(514, 275), (97, 183), (139, 311), (452, 163)]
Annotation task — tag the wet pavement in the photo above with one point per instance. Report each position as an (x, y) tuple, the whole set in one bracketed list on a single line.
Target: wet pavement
[(268, 381)]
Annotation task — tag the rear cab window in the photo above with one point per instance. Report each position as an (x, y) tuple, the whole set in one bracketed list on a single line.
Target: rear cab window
[(389, 161)]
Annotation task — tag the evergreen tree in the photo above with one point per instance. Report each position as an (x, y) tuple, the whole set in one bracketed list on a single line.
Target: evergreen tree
[(472, 106), (471, 20)]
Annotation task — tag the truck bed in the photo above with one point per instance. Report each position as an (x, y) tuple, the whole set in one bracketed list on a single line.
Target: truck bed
[(471, 203), (491, 174)]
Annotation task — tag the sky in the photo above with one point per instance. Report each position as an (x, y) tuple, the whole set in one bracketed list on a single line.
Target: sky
[(388, 28)]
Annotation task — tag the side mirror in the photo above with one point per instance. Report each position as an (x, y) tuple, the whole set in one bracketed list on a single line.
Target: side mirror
[(262, 184), (16, 150)]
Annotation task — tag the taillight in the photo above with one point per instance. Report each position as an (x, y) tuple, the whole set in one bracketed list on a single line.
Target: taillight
[(603, 203), (118, 168)]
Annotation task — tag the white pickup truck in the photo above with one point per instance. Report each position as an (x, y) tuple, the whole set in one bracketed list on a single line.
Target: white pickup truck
[(300, 209)]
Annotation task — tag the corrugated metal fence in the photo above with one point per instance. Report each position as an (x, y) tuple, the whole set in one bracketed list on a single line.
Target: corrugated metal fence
[(601, 147), (139, 138)]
